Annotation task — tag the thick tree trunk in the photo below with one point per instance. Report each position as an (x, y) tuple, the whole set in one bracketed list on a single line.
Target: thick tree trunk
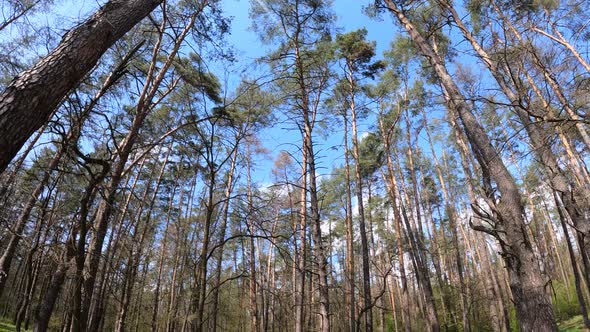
[(573, 195), (71, 137), (27, 102), (533, 305), (8, 181), (535, 131), (46, 306), (492, 290)]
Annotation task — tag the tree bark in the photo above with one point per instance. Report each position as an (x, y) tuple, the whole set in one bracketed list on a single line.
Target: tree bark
[(533, 305), (391, 185), (573, 195), (573, 261), (27, 102), (224, 222), (350, 273), (368, 303), (452, 215), (300, 280)]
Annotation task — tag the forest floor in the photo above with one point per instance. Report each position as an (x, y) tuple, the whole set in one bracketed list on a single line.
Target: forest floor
[(574, 324), (8, 327)]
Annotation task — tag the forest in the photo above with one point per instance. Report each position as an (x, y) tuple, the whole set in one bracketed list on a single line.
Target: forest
[(268, 165)]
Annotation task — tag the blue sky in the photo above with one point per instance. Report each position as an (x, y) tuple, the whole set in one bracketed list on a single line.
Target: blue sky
[(350, 17)]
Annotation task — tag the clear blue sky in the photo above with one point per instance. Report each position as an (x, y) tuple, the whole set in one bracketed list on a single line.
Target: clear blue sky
[(350, 17)]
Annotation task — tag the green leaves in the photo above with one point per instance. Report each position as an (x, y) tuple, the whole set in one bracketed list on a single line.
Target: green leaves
[(251, 108), (357, 52), (371, 154), (196, 78)]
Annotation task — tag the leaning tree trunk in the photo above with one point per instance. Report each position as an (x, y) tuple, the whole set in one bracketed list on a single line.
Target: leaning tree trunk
[(144, 105), (417, 236), (71, 137), (533, 305), (27, 102), (391, 186), (452, 215), (573, 195)]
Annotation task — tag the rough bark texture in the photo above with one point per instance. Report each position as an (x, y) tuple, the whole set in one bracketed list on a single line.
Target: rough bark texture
[(27, 102), (533, 305), (573, 195)]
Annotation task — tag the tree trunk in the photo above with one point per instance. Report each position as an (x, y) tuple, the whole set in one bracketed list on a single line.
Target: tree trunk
[(350, 273), (368, 303), (393, 193), (300, 291), (254, 313), (144, 105), (417, 237), (533, 305), (322, 262), (573, 261), (26, 103), (575, 200), (224, 220), (452, 215)]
